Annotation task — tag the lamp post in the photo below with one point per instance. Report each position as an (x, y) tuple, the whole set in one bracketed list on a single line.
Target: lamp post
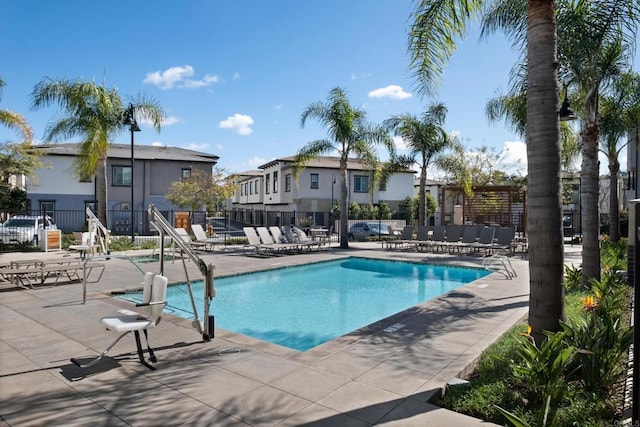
[(333, 181), (130, 120)]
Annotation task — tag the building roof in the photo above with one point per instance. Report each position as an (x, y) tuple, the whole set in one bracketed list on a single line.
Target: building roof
[(327, 162), (141, 152)]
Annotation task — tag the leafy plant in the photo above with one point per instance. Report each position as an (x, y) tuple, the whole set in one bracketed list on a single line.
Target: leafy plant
[(613, 255), (121, 244), (542, 370), (572, 277)]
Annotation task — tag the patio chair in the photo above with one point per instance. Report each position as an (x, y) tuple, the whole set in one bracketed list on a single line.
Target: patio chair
[(406, 237), (258, 248), (485, 241), (452, 236), (436, 239), (208, 243), (268, 241), (295, 235), (469, 235), (154, 293), (186, 238), (504, 241)]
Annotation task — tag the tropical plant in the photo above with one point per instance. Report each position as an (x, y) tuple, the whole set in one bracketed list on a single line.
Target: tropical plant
[(425, 138), (15, 157), (542, 371), (572, 277), (350, 135), (598, 36), (619, 110), (95, 114)]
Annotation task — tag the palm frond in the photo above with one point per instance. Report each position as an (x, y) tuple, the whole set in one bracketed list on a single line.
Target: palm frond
[(432, 36)]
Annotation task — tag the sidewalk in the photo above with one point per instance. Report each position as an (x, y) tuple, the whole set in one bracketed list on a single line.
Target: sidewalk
[(369, 377)]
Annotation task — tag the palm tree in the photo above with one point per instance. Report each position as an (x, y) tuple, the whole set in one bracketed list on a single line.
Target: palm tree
[(16, 158), (95, 114), (437, 24), (425, 138), (617, 112), (15, 121), (594, 39), (349, 135)]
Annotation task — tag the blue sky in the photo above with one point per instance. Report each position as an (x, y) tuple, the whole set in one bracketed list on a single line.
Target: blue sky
[(235, 76)]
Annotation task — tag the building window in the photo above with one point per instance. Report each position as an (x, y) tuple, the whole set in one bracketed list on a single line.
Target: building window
[(267, 183), (257, 186), (241, 190), (360, 184), (275, 182), (314, 180), (251, 187), (245, 188), (186, 173), (47, 207), (287, 182), (121, 176)]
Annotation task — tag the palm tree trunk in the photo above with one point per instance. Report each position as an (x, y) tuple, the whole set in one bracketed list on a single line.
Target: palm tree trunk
[(344, 212), (101, 177), (421, 197), (614, 211), (544, 222), (590, 186)]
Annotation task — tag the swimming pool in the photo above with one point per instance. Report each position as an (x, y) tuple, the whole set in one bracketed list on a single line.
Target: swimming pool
[(304, 306)]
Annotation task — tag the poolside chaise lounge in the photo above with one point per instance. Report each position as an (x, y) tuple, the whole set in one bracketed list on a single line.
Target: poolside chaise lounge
[(469, 236), (451, 237), (271, 243), (255, 244), (295, 235), (437, 237), (504, 241), (26, 274), (208, 243), (485, 241), (154, 293), (404, 240), (186, 238)]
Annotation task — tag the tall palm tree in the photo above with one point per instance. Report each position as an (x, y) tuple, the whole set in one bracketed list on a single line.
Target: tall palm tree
[(16, 158), (617, 111), (595, 37), (437, 24), (15, 121), (425, 139), (94, 114), (350, 135)]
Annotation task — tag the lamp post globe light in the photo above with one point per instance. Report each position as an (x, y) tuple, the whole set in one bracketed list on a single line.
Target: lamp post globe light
[(130, 120)]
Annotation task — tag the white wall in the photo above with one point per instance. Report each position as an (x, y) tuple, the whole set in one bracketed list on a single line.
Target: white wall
[(59, 174)]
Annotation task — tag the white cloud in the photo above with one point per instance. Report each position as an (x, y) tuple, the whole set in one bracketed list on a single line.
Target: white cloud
[(241, 123), (355, 76), (208, 80), (254, 162), (391, 91), (278, 107), (179, 77), (514, 158), (399, 143), (197, 147), (236, 75), (158, 144), (168, 121), (219, 147)]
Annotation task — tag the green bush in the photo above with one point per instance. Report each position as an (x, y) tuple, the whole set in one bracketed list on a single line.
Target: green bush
[(572, 277), (121, 244)]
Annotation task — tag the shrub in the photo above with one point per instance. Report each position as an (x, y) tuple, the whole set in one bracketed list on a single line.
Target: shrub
[(572, 277), (121, 244)]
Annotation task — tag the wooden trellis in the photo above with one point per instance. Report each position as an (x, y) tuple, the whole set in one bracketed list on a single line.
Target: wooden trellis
[(494, 205)]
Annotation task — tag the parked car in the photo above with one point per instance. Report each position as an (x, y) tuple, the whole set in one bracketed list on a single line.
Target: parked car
[(364, 230), (25, 229)]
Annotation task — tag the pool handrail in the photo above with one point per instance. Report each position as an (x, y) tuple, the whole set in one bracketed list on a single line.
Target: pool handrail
[(107, 257)]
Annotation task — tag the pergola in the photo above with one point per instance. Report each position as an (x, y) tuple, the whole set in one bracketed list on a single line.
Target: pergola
[(495, 205)]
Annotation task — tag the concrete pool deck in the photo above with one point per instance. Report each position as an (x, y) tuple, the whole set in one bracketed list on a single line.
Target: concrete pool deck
[(370, 377)]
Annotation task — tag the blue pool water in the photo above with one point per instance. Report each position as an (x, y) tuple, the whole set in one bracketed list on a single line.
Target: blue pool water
[(305, 306)]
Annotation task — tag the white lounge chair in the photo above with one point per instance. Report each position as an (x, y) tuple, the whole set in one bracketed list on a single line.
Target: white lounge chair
[(153, 301)]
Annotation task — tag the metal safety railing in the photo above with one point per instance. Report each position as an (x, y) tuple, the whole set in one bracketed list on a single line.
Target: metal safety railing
[(96, 228)]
